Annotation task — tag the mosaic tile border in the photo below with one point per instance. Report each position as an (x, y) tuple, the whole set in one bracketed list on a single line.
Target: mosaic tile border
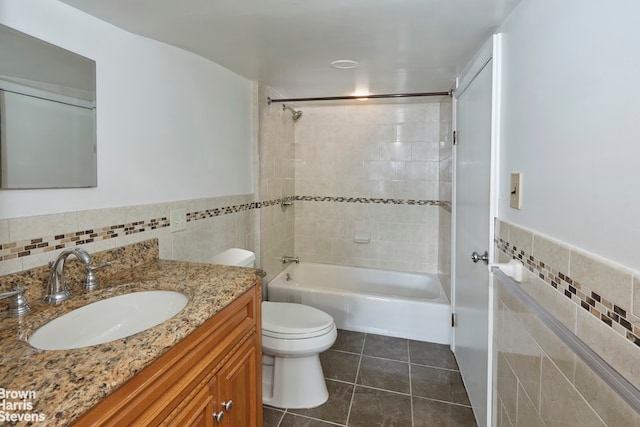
[(40, 245), (23, 248), (369, 200), (610, 313), (211, 213)]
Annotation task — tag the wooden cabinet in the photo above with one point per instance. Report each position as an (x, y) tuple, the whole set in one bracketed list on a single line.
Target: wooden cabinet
[(193, 383), (236, 380), (199, 411)]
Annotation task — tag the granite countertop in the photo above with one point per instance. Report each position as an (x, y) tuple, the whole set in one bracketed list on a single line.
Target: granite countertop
[(58, 386)]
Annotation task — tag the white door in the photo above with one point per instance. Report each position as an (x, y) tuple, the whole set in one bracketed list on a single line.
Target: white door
[(474, 233)]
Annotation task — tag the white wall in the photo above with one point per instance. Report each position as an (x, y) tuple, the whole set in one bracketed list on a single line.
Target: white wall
[(171, 125), (571, 123)]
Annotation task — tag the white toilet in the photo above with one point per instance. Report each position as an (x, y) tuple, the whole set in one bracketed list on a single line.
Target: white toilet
[(293, 336)]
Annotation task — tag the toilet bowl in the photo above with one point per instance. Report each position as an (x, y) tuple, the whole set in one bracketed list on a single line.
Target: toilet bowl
[(293, 336)]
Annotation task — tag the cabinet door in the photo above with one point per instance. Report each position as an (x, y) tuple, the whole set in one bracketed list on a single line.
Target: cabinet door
[(237, 382), (199, 412)]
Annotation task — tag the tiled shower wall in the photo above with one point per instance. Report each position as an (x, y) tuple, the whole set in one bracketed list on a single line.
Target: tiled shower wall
[(369, 171), (538, 380), (276, 181), (445, 194)]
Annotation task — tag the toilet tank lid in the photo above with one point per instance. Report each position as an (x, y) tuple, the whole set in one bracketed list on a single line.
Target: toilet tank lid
[(235, 256)]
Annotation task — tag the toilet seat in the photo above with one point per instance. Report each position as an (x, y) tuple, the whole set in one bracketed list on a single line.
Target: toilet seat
[(294, 321)]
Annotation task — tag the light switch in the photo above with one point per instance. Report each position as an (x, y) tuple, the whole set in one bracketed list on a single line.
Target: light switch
[(516, 191), (177, 220)]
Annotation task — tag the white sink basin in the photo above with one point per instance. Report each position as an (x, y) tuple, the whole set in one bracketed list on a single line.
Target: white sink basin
[(107, 320)]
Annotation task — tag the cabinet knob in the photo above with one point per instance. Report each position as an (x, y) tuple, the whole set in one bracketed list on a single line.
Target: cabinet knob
[(218, 417), (227, 405)]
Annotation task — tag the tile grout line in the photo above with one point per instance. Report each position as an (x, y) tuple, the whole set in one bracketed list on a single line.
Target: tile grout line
[(281, 417), (399, 393), (436, 367), (410, 384), (404, 394), (444, 401), (396, 360), (293, 414), (307, 417), (355, 380)]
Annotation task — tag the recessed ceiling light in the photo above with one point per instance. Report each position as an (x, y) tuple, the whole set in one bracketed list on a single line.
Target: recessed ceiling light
[(344, 64)]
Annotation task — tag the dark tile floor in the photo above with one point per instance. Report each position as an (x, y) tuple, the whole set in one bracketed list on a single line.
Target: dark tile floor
[(375, 380)]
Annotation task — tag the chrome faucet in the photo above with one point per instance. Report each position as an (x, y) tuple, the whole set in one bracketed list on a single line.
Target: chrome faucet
[(286, 259), (20, 305), (58, 290)]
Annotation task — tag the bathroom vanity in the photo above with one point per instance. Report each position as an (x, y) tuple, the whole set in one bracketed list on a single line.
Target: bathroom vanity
[(210, 378), (202, 367)]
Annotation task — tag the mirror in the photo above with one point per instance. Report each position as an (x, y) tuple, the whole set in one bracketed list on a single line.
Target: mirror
[(47, 115)]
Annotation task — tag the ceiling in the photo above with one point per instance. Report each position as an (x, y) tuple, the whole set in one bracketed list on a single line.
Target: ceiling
[(402, 46)]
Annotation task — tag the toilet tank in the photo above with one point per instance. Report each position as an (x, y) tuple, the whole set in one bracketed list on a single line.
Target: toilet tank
[(236, 257)]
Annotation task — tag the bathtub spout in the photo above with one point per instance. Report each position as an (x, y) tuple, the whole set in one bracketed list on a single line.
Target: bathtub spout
[(286, 259)]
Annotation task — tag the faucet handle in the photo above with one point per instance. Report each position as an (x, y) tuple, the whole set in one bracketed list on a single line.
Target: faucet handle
[(20, 305), (91, 281)]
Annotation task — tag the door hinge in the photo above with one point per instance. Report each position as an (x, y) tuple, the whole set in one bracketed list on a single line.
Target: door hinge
[(453, 320), (455, 137)]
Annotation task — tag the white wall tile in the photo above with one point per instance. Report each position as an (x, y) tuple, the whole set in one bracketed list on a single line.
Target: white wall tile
[(279, 138), (100, 218), (4, 231), (522, 239), (619, 352), (613, 410), (395, 151), (561, 402), (213, 234), (11, 266), (25, 228), (607, 279), (425, 151)]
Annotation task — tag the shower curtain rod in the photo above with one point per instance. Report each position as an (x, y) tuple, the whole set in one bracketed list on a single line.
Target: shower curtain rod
[(340, 98)]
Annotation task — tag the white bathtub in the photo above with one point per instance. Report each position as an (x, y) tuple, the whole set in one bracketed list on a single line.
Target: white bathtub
[(398, 304)]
